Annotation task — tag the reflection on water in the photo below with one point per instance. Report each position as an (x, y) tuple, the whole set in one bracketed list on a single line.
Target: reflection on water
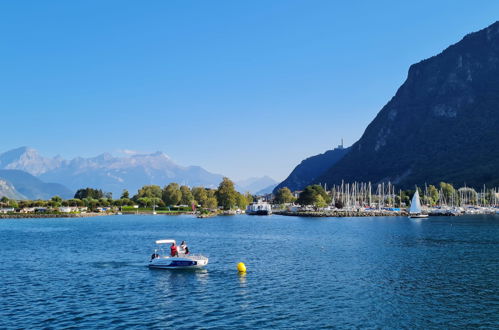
[(304, 273), (242, 279)]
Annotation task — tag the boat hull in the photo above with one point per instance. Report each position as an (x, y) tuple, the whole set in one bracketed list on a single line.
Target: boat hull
[(178, 263), (418, 216), (259, 212)]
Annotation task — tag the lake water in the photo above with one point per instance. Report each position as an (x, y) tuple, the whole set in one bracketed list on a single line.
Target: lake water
[(302, 273)]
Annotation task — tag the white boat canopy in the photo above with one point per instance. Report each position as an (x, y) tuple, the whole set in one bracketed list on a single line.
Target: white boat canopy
[(166, 241)]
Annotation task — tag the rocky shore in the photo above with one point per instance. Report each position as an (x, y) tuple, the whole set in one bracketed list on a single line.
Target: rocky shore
[(342, 214)]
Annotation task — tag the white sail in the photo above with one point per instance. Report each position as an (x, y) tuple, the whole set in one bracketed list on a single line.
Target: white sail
[(415, 204)]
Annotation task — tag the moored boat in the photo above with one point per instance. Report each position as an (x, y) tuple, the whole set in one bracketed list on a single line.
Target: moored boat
[(415, 210), (259, 208)]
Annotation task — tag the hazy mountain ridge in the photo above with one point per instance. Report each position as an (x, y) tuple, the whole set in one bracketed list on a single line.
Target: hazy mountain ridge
[(30, 187), (256, 185), (266, 190), (107, 172), (441, 125)]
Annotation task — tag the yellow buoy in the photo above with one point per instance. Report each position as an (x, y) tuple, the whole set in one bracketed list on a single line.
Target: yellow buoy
[(241, 267)]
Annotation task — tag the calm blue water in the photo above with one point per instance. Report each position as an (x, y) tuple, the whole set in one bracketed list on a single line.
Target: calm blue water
[(302, 273)]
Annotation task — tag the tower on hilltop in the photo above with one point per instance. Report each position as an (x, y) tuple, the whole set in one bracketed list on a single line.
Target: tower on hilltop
[(341, 145)]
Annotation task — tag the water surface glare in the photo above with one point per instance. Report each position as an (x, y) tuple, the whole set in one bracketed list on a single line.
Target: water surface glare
[(302, 273)]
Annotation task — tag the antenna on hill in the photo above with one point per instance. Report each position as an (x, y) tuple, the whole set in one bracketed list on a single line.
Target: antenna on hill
[(341, 145)]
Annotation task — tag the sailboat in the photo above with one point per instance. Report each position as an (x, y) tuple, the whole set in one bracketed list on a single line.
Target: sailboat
[(415, 209)]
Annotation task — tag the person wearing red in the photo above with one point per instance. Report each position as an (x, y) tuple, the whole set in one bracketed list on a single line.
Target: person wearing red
[(173, 250)]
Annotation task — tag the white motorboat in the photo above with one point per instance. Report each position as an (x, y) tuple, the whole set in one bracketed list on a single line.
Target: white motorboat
[(161, 258), (415, 210)]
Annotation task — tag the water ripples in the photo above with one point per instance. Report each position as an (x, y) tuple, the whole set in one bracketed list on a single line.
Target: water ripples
[(302, 273)]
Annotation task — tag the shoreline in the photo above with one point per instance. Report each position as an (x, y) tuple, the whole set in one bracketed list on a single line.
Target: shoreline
[(340, 214), (157, 213), (306, 214), (82, 215), (46, 216)]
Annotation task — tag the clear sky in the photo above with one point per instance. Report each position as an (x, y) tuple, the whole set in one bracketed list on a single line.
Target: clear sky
[(242, 88)]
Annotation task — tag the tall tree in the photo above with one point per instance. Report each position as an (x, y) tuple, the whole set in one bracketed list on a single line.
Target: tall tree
[(433, 194), (249, 197), (144, 201), (309, 195), (56, 201), (211, 203), (200, 195), (150, 191), (241, 201), (284, 196), (447, 190), (226, 194), (172, 194), (125, 194), (187, 197), (89, 193), (319, 201), (211, 200)]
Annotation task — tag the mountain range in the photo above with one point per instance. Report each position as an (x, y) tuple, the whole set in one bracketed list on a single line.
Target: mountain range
[(24, 172), (441, 125), (107, 172)]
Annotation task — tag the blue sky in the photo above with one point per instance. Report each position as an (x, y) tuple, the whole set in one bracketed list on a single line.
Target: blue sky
[(242, 88)]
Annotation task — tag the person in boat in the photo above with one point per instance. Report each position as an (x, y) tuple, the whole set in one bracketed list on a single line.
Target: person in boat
[(173, 250), (184, 249), (154, 256)]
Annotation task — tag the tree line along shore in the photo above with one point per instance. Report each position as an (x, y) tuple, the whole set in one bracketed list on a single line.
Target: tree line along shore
[(171, 199), (356, 199)]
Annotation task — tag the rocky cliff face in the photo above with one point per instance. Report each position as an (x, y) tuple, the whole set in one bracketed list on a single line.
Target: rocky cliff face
[(8, 190), (442, 124)]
